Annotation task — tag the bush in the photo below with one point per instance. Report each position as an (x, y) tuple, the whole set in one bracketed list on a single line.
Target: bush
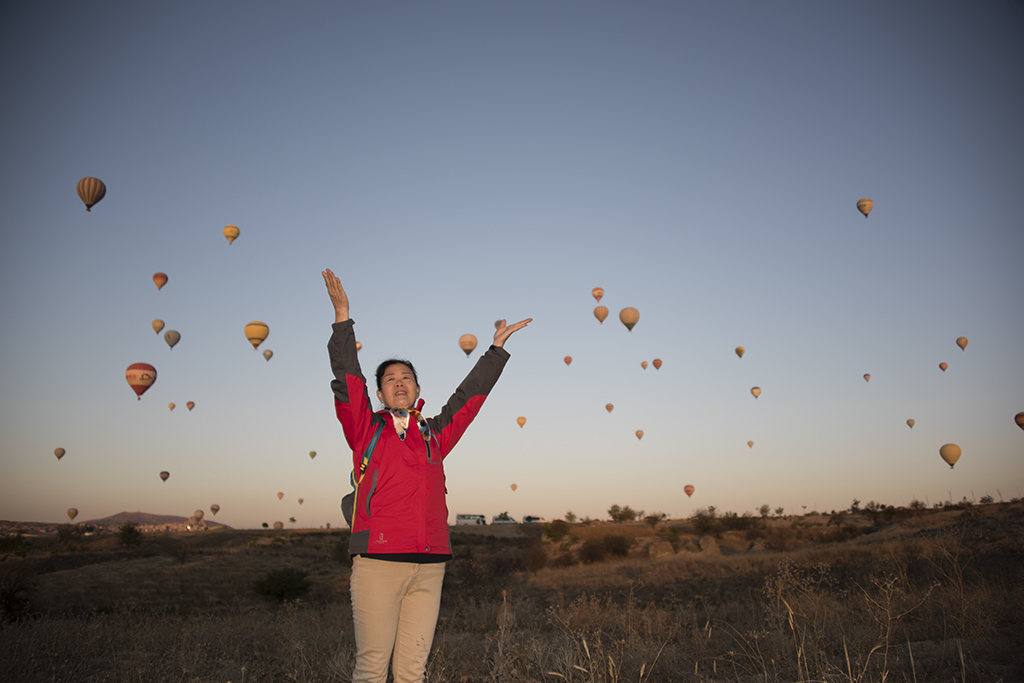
[(284, 584), (556, 530), (593, 550), (68, 534), (703, 521), (653, 519), (535, 558), (618, 545), (128, 535)]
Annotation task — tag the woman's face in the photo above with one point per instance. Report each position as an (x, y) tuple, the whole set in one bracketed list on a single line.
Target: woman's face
[(398, 388)]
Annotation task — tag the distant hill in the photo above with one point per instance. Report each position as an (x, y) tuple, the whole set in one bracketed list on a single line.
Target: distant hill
[(147, 519)]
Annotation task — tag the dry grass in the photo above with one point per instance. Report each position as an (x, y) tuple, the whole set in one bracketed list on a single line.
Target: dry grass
[(936, 597)]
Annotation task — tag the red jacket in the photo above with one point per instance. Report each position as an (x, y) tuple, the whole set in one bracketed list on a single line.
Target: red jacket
[(400, 505)]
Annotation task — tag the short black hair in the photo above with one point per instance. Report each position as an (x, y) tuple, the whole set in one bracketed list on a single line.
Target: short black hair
[(394, 361)]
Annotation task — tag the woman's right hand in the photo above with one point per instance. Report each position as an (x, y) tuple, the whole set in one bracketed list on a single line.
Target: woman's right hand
[(338, 296)]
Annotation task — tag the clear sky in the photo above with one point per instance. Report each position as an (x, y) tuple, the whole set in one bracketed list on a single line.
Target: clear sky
[(459, 162)]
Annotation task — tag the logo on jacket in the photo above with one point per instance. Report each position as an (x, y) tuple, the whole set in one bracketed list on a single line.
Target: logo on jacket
[(380, 538)]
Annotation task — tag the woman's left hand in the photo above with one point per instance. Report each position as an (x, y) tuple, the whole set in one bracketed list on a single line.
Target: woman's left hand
[(505, 331)]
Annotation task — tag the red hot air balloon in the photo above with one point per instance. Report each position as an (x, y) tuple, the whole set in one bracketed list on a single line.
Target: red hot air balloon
[(598, 293), (656, 363), (140, 377), (280, 495), (1019, 419), (568, 360), (160, 279), (164, 476), (59, 452), (688, 490), (943, 366)]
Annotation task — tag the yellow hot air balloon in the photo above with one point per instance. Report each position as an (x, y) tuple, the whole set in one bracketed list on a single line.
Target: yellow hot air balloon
[(601, 312), (158, 325), (312, 454), (171, 406), (756, 391), (568, 360), (280, 495), (865, 205), (521, 421), (1019, 419), (609, 407), (598, 293), (688, 490), (639, 434), (59, 452), (231, 232), (911, 423), (656, 363), (72, 513), (740, 351), (943, 366), (643, 364), (278, 526), (159, 279), (867, 378), (256, 332), (514, 487), (629, 317), (950, 453), (750, 444), (190, 405), (268, 354), (164, 475), (91, 191), (962, 343), (215, 509), (467, 343), (172, 337)]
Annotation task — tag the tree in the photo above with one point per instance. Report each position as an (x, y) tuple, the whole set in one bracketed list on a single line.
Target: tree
[(503, 516), (570, 516), (265, 525), (855, 506), (623, 514), (765, 510), (779, 511), (128, 535)]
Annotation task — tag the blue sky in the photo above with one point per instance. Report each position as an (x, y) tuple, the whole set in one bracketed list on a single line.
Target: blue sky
[(456, 163)]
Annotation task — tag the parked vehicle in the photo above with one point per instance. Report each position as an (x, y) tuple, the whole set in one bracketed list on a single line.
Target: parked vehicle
[(469, 520), (533, 519), (498, 519)]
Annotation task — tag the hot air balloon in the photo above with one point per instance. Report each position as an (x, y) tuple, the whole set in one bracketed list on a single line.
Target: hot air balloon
[(911, 423), (172, 337), (601, 312), (750, 444), (629, 317), (467, 343), (280, 495), (72, 513), (497, 324), (312, 454), (740, 351), (609, 407), (756, 391), (231, 232), (300, 501), (198, 514), (950, 453), (140, 376), (1019, 419), (514, 487), (256, 332), (568, 360), (359, 346), (190, 405), (278, 526), (643, 364), (171, 406), (164, 475), (943, 366), (59, 452), (656, 363), (867, 378), (688, 490), (160, 279), (91, 191), (598, 293), (215, 509), (158, 325), (521, 421), (962, 343), (268, 354), (865, 205), (639, 434)]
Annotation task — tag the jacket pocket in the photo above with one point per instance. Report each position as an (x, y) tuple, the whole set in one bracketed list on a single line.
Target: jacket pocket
[(369, 494)]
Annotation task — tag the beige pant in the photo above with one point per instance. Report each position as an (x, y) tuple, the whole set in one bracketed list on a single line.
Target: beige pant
[(394, 608)]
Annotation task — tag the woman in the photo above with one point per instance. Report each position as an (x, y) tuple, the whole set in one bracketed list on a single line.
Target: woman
[(399, 537)]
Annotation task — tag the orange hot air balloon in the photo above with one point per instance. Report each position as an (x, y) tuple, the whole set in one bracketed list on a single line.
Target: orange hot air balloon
[(601, 312), (688, 490), (256, 332), (72, 513), (164, 475), (756, 391), (172, 337), (280, 495), (312, 454), (943, 366), (1019, 419), (521, 421), (190, 405), (609, 407), (268, 354), (639, 434), (568, 360), (514, 487), (231, 232), (140, 377), (59, 452), (158, 325), (643, 364), (950, 453), (278, 526), (215, 509), (300, 501), (171, 406), (91, 191), (740, 351), (750, 444), (911, 423), (656, 363), (629, 317), (160, 279), (467, 343), (867, 378), (865, 205), (359, 346), (962, 343), (598, 293)]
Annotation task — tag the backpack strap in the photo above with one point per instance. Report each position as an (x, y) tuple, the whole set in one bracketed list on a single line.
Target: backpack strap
[(367, 454)]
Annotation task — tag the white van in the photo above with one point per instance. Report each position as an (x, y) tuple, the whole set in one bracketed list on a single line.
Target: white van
[(498, 519), (469, 520), (533, 519)]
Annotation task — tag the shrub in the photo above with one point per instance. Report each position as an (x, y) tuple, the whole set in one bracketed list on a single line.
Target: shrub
[(618, 545), (653, 518), (535, 558), (67, 534), (986, 500), (570, 516), (284, 584), (556, 530), (128, 535), (593, 550), (704, 521)]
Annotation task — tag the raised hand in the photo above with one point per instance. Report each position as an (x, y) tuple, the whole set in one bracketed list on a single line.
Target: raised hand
[(505, 331), (338, 296)]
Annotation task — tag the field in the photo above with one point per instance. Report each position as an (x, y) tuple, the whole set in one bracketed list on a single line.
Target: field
[(897, 595)]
